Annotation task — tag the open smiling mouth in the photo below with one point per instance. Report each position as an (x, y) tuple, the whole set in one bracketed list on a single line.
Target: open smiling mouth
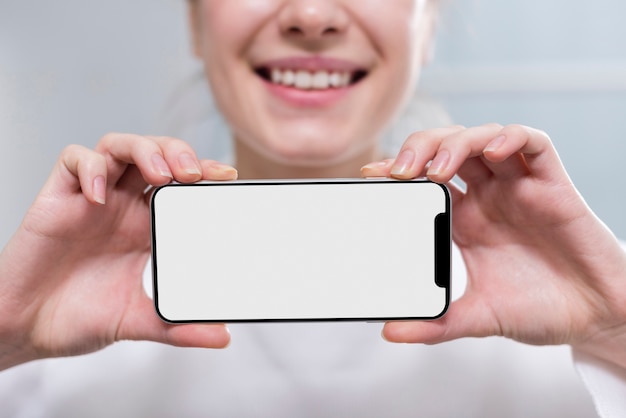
[(311, 80)]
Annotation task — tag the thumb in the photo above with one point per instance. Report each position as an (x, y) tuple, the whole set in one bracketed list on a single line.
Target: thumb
[(466, 317), (142, 323)]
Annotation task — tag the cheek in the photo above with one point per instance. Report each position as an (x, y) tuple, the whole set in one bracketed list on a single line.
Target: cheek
[(399, 35), (227, 29), (240, 19), (395, 30), (227, 26)]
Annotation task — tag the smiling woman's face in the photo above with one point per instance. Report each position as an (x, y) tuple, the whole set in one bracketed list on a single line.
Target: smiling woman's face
[(310, 82)]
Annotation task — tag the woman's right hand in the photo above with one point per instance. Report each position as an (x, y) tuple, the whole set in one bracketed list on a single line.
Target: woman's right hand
[(71, 276)]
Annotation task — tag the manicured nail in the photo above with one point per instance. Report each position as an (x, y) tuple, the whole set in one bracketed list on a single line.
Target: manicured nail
[(374, 165), (224, 168), (161, 166), (439, 163), (189, 164), (495, 144), (99, 189), (403, 162)]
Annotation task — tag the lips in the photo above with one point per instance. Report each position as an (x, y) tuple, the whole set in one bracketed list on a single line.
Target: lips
[(311, 73)]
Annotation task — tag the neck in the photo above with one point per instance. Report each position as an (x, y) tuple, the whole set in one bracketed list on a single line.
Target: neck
[(251, 165)]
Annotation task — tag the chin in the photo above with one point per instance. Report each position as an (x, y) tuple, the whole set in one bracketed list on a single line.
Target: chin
[(319, 157), (304, 158), (307, 145), (318, 150)]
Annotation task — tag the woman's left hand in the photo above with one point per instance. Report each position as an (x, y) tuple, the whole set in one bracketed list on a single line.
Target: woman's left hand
[(541, 267)]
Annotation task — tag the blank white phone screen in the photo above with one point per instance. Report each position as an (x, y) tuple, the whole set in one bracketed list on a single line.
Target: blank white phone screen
[(237, 251)]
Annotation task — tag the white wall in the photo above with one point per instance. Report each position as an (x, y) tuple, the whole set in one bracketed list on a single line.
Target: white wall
[(558, 65), (72, 70)]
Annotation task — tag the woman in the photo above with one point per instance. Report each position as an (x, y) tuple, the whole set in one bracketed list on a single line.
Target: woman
[(308, 87)]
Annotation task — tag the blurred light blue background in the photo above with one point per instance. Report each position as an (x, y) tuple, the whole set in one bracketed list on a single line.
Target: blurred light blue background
[(71, 71)]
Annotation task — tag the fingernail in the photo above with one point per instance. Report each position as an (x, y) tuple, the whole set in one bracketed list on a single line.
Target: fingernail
[(374, 165), (439, 163), (189, 164), (99, 189), (225, 168), (161, 166), (403, 162), (495, 144)]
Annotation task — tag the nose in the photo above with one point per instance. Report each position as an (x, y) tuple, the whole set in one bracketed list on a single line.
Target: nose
[(312, 19)]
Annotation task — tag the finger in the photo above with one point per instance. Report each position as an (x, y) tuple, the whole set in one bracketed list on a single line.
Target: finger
[(213, 170), (377, 168), (141, 323), (84, 170), (466, 317), (124, 149), (418, 150), (474, 171), (509, 164), (512, 167), (457, 148), (533, 146), (180, 157), (457, 194)]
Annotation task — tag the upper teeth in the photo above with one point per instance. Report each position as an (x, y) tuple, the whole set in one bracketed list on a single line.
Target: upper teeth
[(307, 80)]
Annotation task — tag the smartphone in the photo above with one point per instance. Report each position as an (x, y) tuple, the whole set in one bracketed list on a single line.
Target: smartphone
[(301, 250)]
